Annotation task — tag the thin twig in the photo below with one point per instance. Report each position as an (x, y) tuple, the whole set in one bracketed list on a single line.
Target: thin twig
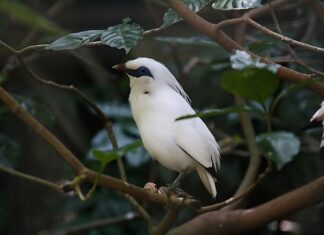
[(291, 51), (283, 38), (239, 196), (100, 114), (208, 28), (32, 179), (255, 158)]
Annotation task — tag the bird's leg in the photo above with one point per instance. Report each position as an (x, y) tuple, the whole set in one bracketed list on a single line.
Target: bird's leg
[(176, 182)]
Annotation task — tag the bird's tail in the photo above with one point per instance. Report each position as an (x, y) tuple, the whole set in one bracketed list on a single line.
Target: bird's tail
[(207, 179)]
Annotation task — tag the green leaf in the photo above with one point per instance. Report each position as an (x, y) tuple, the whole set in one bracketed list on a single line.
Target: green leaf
[(75, 40), (251, 83), (281, 147), (171, 17), (241, 60), (261, 46), (9, 151), (235, 4), (16, 10), (189, 41), (105, 157), (122, 36), (217, 112)]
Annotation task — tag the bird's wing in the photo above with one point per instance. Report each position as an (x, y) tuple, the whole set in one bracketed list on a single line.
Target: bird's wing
[(319, 115), (194, 138)]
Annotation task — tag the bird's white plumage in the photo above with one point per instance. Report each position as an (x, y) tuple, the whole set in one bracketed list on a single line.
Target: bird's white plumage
[(319, 117), (178, 145), (319, 114)]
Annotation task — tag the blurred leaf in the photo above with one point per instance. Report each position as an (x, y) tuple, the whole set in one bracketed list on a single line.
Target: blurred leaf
[(108, 156), (291, 88), (105, 157), (122, 36), (217, 112), (9, 151), (171, 17), (189, 41), (261, 46), (74, 40), (251, 83), (235, 4), (37, 109), (242, 60), (281, 147), (27, 16)]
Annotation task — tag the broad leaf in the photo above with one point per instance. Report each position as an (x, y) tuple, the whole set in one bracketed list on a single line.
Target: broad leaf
[(21, 13), (122, 36), (252, 83), (171, 17), (241, 60), (105, 157), (235, 4), (189, 41), (74, 40), (281, 147), (217, 112)]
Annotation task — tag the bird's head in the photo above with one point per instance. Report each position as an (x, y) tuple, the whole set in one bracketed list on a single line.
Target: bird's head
[(143, 68), (149, 72)]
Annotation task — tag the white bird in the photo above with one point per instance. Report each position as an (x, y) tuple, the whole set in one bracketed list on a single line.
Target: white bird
[(157, 100), (319, 117)]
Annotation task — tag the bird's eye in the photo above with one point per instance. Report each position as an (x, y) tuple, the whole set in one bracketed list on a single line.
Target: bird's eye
[(143, 71)]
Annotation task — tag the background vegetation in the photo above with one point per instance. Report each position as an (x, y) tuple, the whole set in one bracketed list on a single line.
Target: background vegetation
[(277, 103)]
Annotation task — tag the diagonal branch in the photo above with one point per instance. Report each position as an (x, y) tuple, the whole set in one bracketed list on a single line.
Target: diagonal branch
[(229, 44), (31, 178), (243, 221), (48, 136)]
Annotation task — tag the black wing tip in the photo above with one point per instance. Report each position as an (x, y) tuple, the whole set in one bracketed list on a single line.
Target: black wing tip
[(311, 125)]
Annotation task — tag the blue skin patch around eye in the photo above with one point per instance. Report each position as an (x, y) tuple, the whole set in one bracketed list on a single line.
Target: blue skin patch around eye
[(139, 72)]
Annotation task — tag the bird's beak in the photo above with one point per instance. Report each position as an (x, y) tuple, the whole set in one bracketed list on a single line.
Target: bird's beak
[(120, 67)]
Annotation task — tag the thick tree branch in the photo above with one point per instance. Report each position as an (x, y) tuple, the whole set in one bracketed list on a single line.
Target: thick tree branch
[(228, 44), (242, 221)]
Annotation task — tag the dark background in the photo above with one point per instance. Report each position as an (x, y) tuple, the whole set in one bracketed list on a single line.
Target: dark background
[(27, 208)]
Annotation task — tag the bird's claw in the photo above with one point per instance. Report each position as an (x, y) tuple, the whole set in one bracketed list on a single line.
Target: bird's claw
[(152, 187)]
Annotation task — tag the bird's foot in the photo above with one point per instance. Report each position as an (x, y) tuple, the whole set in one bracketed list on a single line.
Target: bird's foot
[(152, 187), (175, 191)]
